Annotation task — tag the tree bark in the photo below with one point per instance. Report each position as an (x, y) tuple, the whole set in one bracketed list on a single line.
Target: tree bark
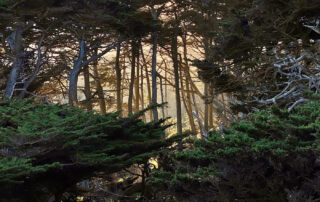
[(132, 78), (187, 100), (87, 88), (154, 65), (142, 93), (189, 104), (36, 71), (74, 73), (206, 107), (78, 64), (99, 88), (174, 54), (162, 96), (118, 75), (137, 82), (148, 81), (15, 44)]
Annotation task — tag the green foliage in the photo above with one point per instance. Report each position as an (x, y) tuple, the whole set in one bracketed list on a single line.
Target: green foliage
[(39, 139), (15, 168), (254, 160)]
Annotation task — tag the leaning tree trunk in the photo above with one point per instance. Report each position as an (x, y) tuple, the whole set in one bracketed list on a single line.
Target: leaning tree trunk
[(79, 64), (74, 73), (36, 71), (15, 45)]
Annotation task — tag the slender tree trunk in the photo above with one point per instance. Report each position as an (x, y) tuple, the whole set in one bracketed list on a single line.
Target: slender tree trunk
[(124, 72), (142, 93), (186, 94), (206, 107), (166, 87), (118, 75), (174, 53), (36, 71), (210, 115), (74, 73), (99, 87), (206, 87), (154, 75), (132, 78), (149, 90), (17, 63), (87, 88), (195, 105), (148, 80), (162, 97), (189, 104), (137, 82)]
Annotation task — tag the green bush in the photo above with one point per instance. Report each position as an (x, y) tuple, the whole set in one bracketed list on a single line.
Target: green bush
[(271, 156), (52, 147)]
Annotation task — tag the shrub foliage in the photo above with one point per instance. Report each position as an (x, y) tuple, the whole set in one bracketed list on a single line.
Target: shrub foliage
[(46, 149), (271, 156)]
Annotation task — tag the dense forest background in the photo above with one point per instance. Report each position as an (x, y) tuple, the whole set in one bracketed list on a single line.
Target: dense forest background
[(159, 100)]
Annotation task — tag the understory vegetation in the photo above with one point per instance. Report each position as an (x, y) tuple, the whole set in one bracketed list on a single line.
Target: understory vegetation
[(271, 156)]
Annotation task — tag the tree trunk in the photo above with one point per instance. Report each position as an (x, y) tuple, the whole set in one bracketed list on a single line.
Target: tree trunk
[(210, 115), (206, 107), (162, 97), (118, 75), (102, 103), (154, 64), (132, 78), (87, 88), (148, 81), (36, 71), (142, 93), (74, 73), (154, 75), (189, 104), (166, 87), (174, 53), (206, 88), (17, 63), (137, 82)]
